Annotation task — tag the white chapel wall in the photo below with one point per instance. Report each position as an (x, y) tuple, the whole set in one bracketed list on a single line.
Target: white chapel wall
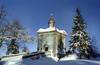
[(46, 38)]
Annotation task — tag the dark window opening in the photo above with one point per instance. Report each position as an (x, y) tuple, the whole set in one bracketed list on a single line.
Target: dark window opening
[(46, 48)]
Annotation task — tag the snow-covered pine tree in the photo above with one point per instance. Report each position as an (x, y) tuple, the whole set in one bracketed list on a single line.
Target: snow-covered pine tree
[(79, 38)]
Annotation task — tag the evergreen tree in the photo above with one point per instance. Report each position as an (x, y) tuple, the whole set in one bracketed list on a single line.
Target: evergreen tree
[(80, 38), (12, 48), (60, 46), (25, 49)]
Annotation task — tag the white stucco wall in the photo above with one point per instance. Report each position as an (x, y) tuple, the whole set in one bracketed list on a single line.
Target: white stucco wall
[(50, 39), (46, 38)]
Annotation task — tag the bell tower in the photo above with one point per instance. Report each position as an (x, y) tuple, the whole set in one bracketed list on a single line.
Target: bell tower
[(51, 22)]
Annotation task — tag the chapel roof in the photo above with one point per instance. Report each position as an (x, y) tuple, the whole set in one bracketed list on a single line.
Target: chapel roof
[(51, 28)]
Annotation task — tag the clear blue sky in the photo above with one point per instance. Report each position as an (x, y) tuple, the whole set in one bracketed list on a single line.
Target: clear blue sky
[(35, 14)]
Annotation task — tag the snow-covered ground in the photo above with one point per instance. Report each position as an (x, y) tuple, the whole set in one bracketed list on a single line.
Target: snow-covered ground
[(70, 60)]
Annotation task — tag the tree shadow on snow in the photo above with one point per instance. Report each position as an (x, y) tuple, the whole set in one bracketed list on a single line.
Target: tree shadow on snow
[(76, 62), (2, 62)]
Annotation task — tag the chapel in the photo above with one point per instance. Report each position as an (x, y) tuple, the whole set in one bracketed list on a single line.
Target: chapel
[(51, 40)]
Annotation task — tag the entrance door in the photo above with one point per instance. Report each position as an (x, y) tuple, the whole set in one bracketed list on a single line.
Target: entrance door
[(46, 48)]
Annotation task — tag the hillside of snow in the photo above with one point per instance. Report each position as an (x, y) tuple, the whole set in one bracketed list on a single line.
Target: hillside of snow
[(68, 60)]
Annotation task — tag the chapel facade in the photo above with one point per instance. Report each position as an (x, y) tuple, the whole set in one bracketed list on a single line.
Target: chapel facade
[(51, 40)]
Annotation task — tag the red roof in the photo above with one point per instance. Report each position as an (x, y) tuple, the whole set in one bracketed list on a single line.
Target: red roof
[(51, 19)]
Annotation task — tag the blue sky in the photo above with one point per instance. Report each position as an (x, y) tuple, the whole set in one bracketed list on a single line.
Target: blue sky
[(35, 14)]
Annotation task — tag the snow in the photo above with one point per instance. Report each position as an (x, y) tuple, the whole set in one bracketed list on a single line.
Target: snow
[(68, 60), (12, 60), (51, 29), (70, 57)]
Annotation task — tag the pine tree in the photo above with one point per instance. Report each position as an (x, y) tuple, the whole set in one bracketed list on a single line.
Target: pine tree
[(25, 49), (80, 38), (60, 46), (12, 48)]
